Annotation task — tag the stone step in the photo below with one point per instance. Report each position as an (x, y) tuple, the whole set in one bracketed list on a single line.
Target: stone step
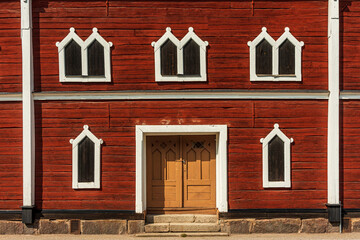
[(181, 218), (181, 227), (157, 227), (183, 234), (194, 227)]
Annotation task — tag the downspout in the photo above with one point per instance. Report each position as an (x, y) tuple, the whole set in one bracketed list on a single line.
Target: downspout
[(28, 113), (333, 155)]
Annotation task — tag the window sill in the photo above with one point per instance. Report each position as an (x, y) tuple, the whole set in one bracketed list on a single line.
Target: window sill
[(281, 184), (181, 78), (276, 78), (87, 185), (85, 79)]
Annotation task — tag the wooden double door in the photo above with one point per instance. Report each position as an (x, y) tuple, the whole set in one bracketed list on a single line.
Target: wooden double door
[(181, 172)]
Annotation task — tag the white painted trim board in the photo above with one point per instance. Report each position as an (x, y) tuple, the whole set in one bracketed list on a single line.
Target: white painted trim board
[(156, 130)]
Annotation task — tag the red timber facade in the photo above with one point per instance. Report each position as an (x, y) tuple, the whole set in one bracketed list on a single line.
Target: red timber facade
[(314, 112)]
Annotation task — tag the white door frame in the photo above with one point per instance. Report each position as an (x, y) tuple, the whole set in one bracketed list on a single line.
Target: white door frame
[(160, 130)]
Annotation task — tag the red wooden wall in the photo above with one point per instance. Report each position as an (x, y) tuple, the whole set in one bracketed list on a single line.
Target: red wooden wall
[(350, 109), (226, 25), (350, 154), (350, 51), (132, 26), (10, 46), (114, 122), (10, 156)]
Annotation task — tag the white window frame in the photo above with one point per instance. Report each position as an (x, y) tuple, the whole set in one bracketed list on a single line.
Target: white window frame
[(275, 59), (180, 45), (75, 163), (84, 52), (287, 159)]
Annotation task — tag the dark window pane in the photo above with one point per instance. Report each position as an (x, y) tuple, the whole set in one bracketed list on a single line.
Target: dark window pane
[(191, 54), (86, 160), (72, 59), (287, 58), (276, 159), (264, 58), (96, 59), (168, 59)]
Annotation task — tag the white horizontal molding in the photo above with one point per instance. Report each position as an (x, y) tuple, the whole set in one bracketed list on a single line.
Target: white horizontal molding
[(170, 95), (348, 95), (180, 79), (10, 97), (85, 79)]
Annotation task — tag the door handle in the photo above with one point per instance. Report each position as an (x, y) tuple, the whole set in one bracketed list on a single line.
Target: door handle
[(182, 161)]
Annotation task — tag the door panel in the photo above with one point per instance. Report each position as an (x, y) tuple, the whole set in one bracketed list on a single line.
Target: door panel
[(163, 172), (181, 172), (199, 171)]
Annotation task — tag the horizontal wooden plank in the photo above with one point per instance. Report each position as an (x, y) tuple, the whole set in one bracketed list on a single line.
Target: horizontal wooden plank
[(132, 26), (117, 128)]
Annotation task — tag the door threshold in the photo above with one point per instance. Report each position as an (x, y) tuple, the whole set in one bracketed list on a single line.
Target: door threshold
[(182, 211)]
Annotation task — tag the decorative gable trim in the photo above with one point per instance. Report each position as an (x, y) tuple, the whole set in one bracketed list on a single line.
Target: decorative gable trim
[(84, 53), (107, 58), (275, 56), (298, 50), (75, 161), (287, 161), (180, 45), (252, 44), (71, 36), (157, 46), (167, 35)]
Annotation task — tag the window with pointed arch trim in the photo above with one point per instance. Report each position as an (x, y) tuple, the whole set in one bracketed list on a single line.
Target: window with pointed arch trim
[(180, 61), (84, 61), (278, 60), (86, 151), (276, 159)]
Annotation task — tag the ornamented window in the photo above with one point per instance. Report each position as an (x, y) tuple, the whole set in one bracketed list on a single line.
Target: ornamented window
[(88, 61), (86, 160), (276, 159), (272, 60), (180, 61)]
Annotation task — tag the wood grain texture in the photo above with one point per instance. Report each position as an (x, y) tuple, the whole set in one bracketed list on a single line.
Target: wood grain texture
[(264, 58), (96, 59), (168, 59), (10, 156), (86, 160), (226, 25), (199, 179), (73, 59), (164, 172), (115, 121), (287, 58), (349, 154), (349, 53), (276, 160), (191, 55), (10, 47)]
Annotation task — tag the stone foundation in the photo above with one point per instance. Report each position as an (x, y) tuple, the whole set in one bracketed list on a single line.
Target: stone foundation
[(232, 226), (103, 227), (46, 226), (136, 226), (282, 225)]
